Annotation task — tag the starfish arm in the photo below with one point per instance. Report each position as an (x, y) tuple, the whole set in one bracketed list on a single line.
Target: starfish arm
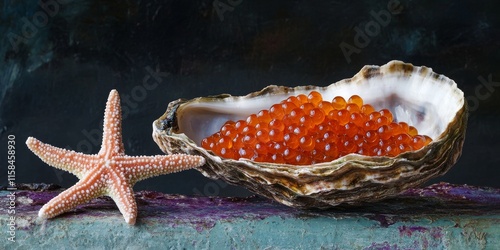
[(82, 192), (71, 161), (112, 143), (137, 168), (122, 193)]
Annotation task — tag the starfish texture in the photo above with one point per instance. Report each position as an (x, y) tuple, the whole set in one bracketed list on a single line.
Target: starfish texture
[(108, 173)]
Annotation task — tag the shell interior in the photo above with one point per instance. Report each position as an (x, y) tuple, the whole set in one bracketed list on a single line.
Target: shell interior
[(419, 99)]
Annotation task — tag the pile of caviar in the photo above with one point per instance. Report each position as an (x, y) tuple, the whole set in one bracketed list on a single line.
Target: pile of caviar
[(305, 129)]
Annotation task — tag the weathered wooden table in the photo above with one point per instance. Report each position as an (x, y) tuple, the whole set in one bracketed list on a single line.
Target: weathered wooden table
[(441, 216)]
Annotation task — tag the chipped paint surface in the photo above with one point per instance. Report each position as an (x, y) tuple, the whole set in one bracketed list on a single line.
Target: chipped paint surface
[(440, 216)]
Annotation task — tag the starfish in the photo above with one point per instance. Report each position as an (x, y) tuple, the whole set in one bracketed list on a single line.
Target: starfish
[(108, 173)]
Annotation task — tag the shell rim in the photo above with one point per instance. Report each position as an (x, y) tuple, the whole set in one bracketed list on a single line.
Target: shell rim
[(367, 71)]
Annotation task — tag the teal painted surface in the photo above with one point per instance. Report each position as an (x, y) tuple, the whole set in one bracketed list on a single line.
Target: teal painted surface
[(418, 219), (458, 232)]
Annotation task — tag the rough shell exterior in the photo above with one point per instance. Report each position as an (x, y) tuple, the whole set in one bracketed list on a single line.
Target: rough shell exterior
[(442, 114)]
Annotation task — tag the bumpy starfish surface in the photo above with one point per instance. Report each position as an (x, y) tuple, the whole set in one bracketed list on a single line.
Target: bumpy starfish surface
[(108, 173)]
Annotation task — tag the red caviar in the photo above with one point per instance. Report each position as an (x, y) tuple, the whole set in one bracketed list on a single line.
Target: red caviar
[(304, 130)]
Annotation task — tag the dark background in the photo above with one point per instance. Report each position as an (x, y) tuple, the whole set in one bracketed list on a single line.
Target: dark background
[(58, 63)]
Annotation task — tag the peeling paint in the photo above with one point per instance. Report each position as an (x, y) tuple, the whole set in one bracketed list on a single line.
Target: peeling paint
[(427, 218)]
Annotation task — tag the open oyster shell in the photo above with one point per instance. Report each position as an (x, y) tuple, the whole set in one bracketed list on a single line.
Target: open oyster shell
[(429, 101)]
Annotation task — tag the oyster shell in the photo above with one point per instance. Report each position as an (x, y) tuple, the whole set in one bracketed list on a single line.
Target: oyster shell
[(429, 101)]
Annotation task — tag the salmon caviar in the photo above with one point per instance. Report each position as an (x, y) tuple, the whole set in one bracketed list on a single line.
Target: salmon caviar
[(306, 129)]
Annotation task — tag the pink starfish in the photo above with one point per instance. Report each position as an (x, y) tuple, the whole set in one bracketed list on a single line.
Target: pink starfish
[(108, 173)]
